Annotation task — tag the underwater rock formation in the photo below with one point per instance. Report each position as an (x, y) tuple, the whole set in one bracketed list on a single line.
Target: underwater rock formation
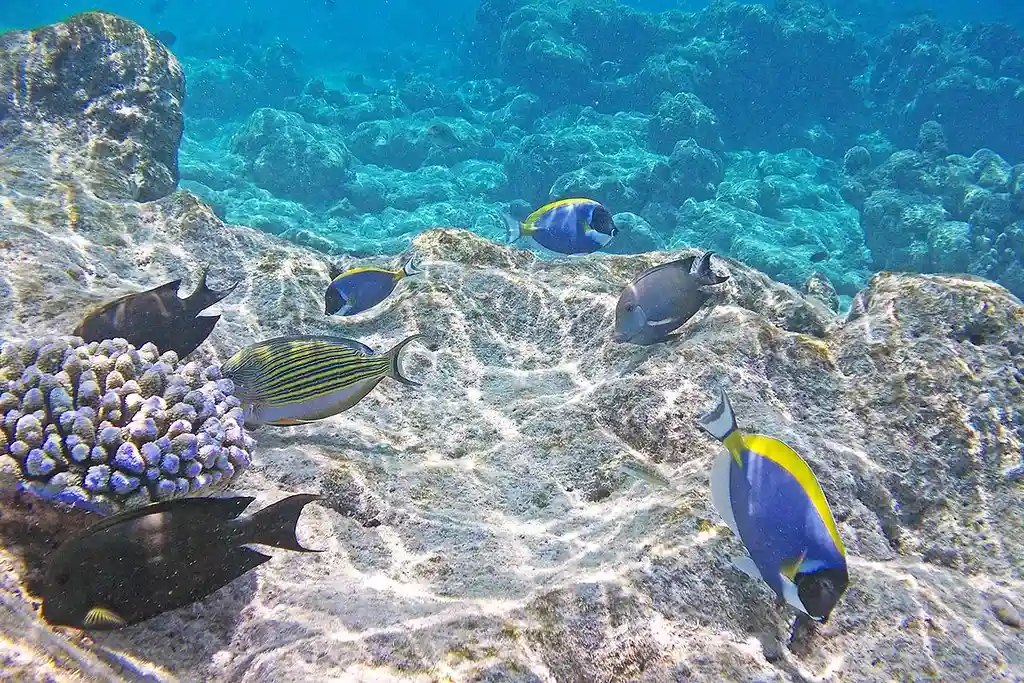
[(107, 427), (929, 211), (970, 79), (484, 527), (292, 158), (612, 56), (103, 89)]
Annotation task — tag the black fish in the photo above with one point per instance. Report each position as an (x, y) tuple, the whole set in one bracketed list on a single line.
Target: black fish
[(442, 135), (167, 38), (157, 315), (140, 563), (819, 256)]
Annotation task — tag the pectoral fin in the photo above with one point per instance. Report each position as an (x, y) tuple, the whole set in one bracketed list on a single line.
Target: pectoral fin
[(787, 575), (747, 566), (582, 225), (789, 568), (103, 618)]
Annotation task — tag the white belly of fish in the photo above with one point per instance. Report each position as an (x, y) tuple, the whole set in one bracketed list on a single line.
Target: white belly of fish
[(313, 409)]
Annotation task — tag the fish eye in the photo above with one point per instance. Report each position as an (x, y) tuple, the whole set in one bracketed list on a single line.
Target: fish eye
[(630, 308)]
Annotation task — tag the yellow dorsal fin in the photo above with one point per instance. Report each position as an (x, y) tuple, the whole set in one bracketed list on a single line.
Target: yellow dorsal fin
[(366, 269), (101, 617)]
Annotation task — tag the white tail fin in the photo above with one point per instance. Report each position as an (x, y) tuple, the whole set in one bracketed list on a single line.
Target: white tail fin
[(513, 229), (410, 267), (720, 422)]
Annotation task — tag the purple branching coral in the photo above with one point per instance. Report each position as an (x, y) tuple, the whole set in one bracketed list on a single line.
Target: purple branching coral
[(106, 427)]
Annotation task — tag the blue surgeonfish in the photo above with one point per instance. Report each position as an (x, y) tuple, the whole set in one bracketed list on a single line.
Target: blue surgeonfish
[(568, 226), (302, 378), (662, 298), (772, 501), (360, 289)]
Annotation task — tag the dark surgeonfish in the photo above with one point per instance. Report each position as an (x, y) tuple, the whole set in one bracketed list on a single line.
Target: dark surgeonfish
[(442, 135), (774, 504), (157, 315), (143, 562), (302, 378), (662, 298), (167, 38)]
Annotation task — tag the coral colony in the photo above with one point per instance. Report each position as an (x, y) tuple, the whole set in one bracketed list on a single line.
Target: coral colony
[(106, 427)]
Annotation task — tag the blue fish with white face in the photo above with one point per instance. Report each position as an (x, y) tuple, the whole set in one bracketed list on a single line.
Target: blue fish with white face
[(360, 289), (568, 226), (772, 501)]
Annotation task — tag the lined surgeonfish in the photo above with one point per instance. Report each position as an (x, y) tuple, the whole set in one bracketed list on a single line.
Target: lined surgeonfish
[(303, 378), (660, 299), (360, 289), (772, 501), (568, 226)]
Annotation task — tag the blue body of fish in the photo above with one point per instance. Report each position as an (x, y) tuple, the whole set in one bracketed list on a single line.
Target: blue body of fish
[(778, 521), (571, 226), (365, 289)]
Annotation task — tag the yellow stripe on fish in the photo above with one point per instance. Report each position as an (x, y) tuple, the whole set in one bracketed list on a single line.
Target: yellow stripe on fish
[(292, 373), (790, 460), (528, 224), (397, 274)]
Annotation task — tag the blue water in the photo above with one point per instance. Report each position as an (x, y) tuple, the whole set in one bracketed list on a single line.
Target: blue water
[(550, 104)]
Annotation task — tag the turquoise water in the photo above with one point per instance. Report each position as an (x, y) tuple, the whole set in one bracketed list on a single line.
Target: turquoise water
[(549, 106)]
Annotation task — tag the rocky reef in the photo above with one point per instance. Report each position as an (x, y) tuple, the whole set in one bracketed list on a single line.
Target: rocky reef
[(488, 525), (926, 210), (104, 93)]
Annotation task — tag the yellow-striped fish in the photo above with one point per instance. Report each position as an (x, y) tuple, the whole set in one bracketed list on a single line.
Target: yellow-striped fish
[(302, 378)]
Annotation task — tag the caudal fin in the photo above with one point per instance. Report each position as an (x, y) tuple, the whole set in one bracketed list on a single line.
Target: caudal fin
[(203, 297), (275, 524), (513, 229), (720, 422), (704, 272), (395, 354), (410, 267)]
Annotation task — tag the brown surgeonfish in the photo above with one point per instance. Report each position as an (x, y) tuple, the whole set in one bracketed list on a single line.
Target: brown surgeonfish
[(157, 315), (143, 562), (660, 299)]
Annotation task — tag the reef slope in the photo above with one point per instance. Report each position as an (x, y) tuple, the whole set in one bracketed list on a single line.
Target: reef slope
[(481, 528)]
